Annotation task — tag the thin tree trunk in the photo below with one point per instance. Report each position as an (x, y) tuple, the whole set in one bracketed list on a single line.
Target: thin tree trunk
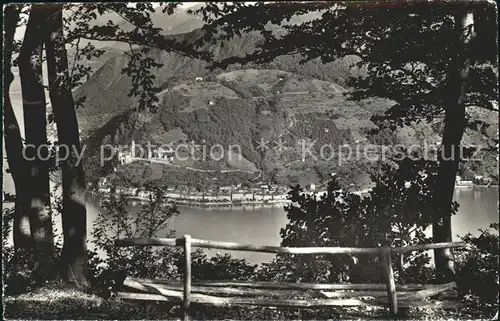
[(35, 128), (452, 136), (74, 216), (13, 139)]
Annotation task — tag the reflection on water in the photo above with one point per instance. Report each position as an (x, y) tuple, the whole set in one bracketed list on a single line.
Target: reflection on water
[(478, 208)]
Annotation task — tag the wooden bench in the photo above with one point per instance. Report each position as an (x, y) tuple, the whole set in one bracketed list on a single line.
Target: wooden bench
[(305, 295)]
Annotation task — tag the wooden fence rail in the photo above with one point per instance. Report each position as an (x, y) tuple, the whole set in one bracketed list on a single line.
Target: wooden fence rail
[(280, 250), (202, 292)]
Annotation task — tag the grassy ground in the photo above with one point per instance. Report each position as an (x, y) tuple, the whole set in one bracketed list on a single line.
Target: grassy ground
[(55, 302)]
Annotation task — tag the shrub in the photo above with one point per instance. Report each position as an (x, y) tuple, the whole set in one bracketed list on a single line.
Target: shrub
[(118, 222), (22, 271), (477, 270), (393, 210)]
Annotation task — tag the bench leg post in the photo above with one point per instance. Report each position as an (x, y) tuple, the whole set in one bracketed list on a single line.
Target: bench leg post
[(389, 279), (187, 277), (402, 312)]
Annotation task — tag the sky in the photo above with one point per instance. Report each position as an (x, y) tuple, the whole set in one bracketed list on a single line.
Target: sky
[(190, 4), (184, 4), (20, 30)]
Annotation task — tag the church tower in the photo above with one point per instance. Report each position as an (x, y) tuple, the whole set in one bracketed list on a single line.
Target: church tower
[(132, 149)]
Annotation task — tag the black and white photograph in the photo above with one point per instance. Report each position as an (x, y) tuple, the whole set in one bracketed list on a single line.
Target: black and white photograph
[(266, 160)]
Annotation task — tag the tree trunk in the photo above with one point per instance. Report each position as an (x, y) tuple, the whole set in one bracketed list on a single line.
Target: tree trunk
[(35, 128), (452, 136), (74, 216), (13, 139)]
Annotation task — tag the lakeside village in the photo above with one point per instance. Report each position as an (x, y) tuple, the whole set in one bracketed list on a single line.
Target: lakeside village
[(234, 195), (261, 194), (471, 180), (222, 196)]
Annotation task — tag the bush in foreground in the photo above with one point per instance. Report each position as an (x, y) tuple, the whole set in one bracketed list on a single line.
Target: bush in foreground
[(477, 271)]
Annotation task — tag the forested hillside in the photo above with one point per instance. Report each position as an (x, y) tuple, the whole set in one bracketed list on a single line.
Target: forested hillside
[(247, 106)]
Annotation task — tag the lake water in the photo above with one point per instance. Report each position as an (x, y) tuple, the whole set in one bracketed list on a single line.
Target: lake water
[(478, 209)]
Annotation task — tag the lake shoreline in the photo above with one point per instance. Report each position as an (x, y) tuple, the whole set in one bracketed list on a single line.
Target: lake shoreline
[(257, 204), (216, 205)]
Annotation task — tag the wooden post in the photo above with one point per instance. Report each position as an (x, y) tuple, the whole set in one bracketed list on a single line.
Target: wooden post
[(187, 276), (403, 312), (389, 279)]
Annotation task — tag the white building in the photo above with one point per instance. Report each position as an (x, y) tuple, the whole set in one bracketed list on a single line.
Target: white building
[(164, 154), (132, 149), (124, 158), (173, 195), (104, 189), (238, 196), (131, 191), (210, 198), (144, 194), (258, 197)]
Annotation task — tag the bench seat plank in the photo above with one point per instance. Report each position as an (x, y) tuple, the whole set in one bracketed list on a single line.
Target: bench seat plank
[(289, 286), (220, 301), (428, 291), (142, 285), (432, 290)]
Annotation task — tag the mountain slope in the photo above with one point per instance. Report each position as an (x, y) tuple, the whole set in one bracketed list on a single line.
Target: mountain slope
[(107, 89), (240, 109)]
